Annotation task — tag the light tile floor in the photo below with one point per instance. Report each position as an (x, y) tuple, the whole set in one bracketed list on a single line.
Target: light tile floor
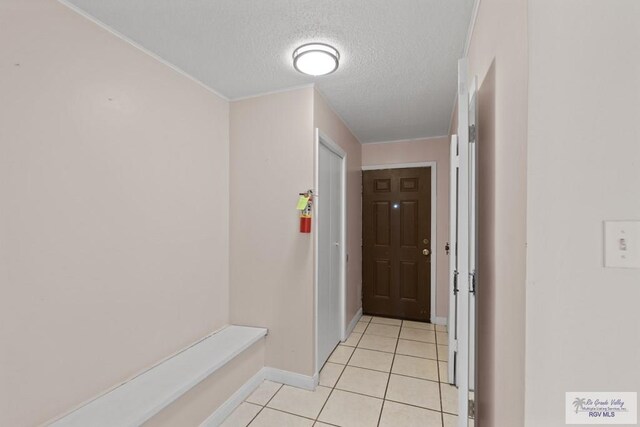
[(388, 373)]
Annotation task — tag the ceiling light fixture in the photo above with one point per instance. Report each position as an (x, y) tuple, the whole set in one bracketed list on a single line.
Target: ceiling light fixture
[(316, 59)]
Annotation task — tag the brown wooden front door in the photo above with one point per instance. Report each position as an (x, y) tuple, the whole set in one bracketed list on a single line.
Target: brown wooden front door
[(396, 233)]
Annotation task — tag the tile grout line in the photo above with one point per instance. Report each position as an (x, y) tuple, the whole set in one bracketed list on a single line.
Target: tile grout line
[(265, 405), (439, 383), (347, 364), (442, 383), (291, 413), (341, 373), (389, 400), (401, 354), (395, 401), (415, 406), (399, 338), (394, 373), (437, 360), (393, 359)]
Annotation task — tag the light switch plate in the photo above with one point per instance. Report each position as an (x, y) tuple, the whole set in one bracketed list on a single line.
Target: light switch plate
[(622, 244)]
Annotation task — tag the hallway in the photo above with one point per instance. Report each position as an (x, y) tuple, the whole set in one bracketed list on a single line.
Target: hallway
[(388, 373)]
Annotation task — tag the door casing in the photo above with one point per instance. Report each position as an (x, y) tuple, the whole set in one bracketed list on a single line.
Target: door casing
[(434, 234), (321, 138)]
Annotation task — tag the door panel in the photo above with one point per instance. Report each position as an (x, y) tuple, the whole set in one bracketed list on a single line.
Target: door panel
[(462, 249), (462, 262), (396, 230), (409, 224), (409, 281), (382, 221), (382, 278), (382, 185), (336, 232), (329, 224), (453, 258), (473, 242)]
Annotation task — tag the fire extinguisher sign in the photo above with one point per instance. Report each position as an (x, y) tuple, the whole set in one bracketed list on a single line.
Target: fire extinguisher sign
[(305, 202)]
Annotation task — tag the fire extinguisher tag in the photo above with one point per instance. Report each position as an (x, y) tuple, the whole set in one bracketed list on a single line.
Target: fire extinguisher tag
[(303, 201)]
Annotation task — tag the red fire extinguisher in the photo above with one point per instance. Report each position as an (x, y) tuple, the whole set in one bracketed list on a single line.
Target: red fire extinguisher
[(305, 212)]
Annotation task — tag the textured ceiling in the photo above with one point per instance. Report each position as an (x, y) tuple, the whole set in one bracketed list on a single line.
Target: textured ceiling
[(397, 75)]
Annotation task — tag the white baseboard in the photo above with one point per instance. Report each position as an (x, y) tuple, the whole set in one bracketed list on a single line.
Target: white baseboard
[(352, 324), (439, 320), (272, 374), (235, 400), (291, 378)]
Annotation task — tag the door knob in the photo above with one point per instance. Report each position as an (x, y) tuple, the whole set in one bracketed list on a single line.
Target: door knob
[(426, 252)]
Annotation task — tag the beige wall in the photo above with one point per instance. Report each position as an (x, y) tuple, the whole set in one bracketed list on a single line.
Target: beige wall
[(332, 126), (272, 146), (271, 261), (432, 149), (584, 157), (498, 56), (114, 189), (486, 297)]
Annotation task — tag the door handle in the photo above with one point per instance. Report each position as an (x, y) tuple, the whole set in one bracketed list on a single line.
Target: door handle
[(426, 252)]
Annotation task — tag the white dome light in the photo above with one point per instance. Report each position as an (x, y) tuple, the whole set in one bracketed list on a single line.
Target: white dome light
[(316, 59)]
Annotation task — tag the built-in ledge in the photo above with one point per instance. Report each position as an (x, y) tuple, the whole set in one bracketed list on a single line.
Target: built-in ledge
[(136, 401)]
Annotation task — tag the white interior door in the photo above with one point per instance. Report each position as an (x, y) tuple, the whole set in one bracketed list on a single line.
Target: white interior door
[(329, 234), (453, 258), (473, 230), (462, 249)]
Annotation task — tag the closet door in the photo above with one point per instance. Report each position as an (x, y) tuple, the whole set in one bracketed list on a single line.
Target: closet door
[(329, 223)]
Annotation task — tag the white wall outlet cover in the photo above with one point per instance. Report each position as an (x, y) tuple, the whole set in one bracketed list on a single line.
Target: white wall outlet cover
[(622, 244)]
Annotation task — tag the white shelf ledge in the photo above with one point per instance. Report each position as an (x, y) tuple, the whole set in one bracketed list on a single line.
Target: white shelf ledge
[(134, 402)]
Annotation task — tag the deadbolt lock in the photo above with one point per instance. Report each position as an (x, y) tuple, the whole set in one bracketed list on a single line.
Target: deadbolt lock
[(425, 241)]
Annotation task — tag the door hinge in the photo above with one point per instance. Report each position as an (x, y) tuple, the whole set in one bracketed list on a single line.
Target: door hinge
[(472, 408), (454, 380), (455, 282), (472, 283), (472, 133)]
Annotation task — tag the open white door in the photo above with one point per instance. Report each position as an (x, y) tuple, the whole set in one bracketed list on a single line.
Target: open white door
[(462, 250), (463, 243), (473, 231), (453, 258)]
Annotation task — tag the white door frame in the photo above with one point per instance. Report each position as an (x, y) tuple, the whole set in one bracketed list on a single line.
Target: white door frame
[(462, 248), (434, 234), (321, 138), (453, 258), (473, 230)]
